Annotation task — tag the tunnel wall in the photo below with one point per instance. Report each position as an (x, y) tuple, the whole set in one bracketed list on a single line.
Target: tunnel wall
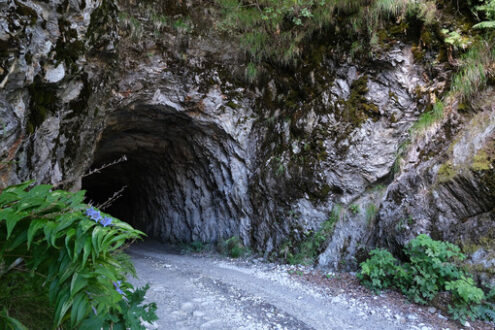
[(182, 177)]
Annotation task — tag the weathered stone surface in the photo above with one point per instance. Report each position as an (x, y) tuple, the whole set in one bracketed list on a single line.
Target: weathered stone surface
[(448, 191), (210, 155)]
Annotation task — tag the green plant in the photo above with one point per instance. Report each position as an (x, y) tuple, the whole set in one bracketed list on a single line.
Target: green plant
[(475, 67), (378, 272), (371, 211), (275, 29), (183, 25), (71, 253), (233, 247), (431, 267), (133, 310), (456, 39), (195, 246), (488, 10), (466, 298), (429, 118), (354, 209), (306, 251), (251, 72)]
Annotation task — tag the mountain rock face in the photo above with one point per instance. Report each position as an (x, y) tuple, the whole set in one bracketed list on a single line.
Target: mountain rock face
[(209, 155)]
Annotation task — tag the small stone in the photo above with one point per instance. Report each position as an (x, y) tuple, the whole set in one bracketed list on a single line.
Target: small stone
[(411, 317), (432, 310), (440, 316), (55, 74), (425, 328), (187, 307), (467, 324), (198, 314)]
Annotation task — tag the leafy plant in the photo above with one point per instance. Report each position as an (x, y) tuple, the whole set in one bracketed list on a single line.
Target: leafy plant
[(456, 39), (71, 252), (378, 272), (354, 209), (431, 267), (233, 247), (488, 10), (195, 246), (466, 297), (132, 311)]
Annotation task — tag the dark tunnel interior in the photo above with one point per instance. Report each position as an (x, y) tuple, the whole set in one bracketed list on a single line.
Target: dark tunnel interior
[(176, 183)]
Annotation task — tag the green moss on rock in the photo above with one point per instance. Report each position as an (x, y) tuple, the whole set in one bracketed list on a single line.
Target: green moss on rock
[(357, 109), (446, 172)]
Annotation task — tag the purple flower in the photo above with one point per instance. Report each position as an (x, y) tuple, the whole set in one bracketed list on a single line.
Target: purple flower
[(93, 214), (117, 287), (119, 290), (106, 221)]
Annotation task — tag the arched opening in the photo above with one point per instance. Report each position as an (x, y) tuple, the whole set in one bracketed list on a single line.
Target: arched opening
[(181, 181)]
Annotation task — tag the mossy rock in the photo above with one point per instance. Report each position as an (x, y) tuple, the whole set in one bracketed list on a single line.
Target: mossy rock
[(43, 101), (446, 172), (357, 109)]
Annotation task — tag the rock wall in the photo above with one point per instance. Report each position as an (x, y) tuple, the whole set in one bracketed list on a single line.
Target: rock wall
[(51, 83), (211, 155)]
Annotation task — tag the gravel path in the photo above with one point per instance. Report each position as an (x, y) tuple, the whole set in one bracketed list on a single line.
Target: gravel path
[(198, 292)]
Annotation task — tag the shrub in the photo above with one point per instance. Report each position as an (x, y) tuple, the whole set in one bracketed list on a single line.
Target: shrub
[(378, 272), (488, 10), (195, 246), (51, 240), (431, 267), (466, 298), (232, 247), (431, 264)]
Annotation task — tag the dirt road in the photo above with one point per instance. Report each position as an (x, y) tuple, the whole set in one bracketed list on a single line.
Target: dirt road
[(207, 292)]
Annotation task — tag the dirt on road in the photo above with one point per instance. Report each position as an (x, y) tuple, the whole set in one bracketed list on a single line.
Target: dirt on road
[(213, 292)]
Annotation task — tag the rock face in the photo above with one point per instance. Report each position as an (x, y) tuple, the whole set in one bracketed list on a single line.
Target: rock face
[(48, 91), (446, 189), (210, 155)]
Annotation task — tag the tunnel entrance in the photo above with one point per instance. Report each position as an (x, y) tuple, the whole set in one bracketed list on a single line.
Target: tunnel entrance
[(182, 181)]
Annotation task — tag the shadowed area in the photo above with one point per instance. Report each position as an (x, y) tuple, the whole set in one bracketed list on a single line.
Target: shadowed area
[(178, 177)]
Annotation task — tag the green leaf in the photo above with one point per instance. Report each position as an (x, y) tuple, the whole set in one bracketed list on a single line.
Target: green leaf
[(97, 238), (80, 308), (78, 282), (62, 305), (87, 251), (10, 322), (34, 226)]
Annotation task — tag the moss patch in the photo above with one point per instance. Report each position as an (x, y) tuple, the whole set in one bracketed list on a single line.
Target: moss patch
[(446, 172), (357, 109), (484, 159), (44, 100)]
